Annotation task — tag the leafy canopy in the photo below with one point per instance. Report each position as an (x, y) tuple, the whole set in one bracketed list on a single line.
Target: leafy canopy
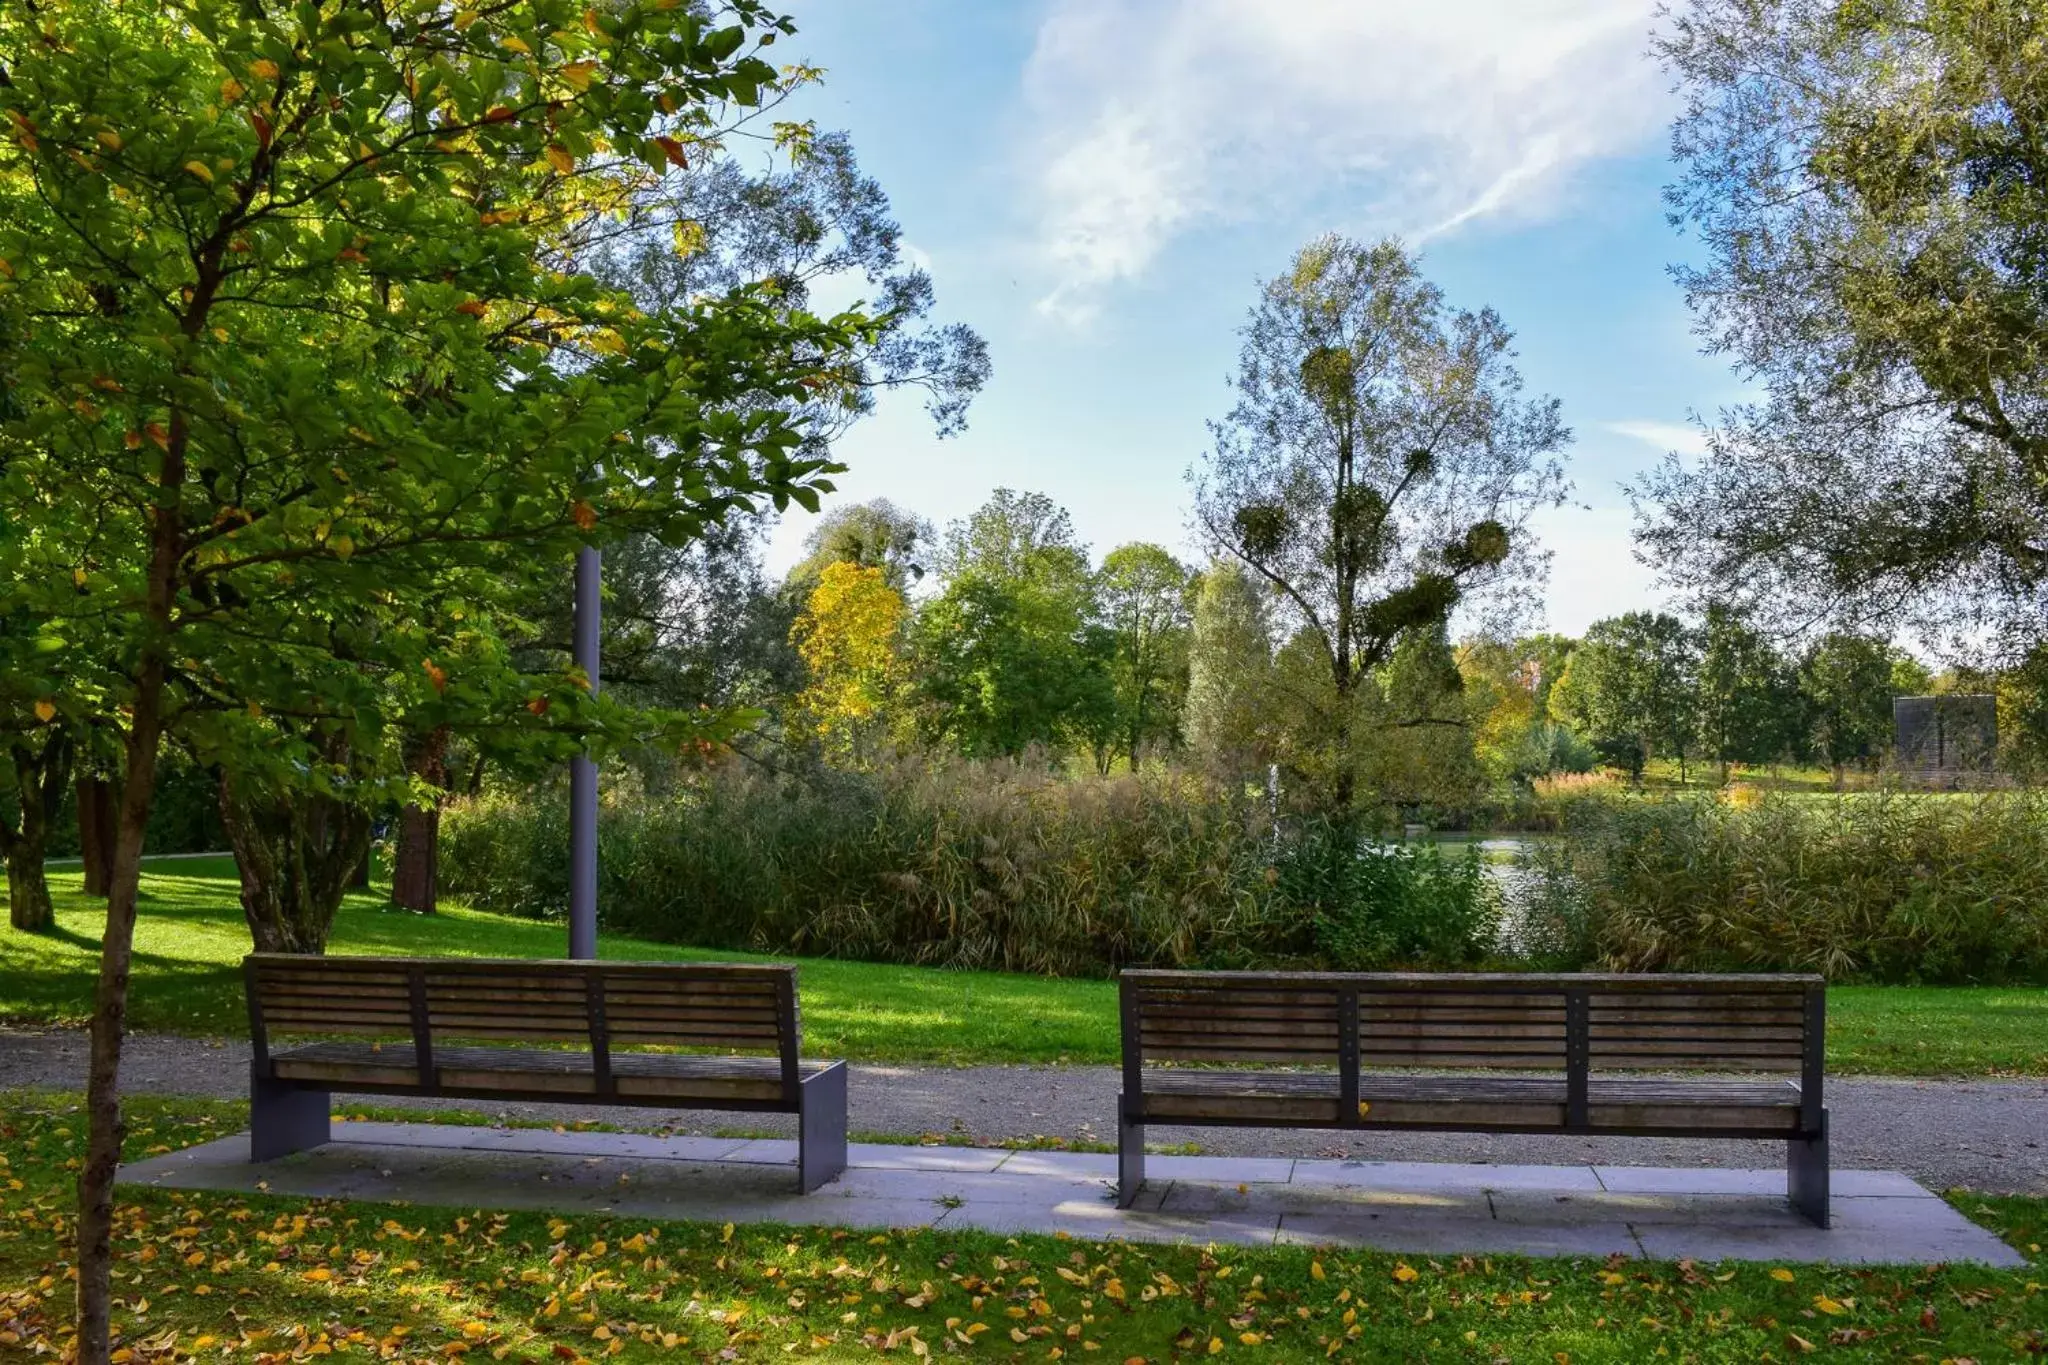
[(300, 384), (1871, 184)]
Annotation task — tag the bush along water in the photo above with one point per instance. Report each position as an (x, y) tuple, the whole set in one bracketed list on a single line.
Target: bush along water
[(1881, 887), (1376, 904), (989, 865)]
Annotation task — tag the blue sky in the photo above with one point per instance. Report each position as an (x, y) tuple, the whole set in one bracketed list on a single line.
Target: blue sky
[(1098, 185)]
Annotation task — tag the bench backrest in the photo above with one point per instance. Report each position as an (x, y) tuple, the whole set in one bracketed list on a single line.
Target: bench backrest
[(1575, 1023), (602, 1006)]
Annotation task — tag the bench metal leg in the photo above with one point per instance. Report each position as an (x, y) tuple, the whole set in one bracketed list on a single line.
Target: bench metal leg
[(1130, 1154), (821, 1127), (284, 1119), (1806, 1173)]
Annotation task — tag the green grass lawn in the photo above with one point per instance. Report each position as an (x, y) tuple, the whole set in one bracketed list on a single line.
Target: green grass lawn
[(203, 1275), (191, 938)]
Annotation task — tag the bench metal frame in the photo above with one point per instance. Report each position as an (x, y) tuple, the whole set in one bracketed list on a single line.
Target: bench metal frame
[(289, 1114), (1806, 1141)]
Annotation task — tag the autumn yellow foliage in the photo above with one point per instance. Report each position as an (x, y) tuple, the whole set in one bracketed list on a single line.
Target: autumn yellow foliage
[(850, 636)]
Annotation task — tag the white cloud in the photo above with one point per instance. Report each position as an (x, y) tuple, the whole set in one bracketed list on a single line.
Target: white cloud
[(1417, 116), (1665, 436)]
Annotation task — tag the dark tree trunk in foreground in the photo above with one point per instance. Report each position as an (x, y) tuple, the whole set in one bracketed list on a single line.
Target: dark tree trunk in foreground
[(97, 805), (40, 774), (416, 863), (297, 854), (105, 1128)]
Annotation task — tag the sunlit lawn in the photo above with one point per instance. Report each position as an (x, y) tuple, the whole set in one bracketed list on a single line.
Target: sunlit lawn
[(191, 937), (207, 1276)]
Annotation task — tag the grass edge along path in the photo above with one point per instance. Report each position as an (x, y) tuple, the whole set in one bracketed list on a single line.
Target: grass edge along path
[(190, 940), (204, 1275)]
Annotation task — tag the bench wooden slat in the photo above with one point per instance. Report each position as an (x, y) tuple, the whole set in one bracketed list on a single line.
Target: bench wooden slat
[(593, 1008), (1402, 1040)]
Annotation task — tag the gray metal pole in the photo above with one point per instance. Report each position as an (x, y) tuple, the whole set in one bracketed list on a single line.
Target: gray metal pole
[(583, 771)]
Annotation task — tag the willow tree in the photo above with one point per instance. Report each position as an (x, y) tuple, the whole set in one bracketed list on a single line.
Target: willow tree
[(1379, 470), (301, 398)]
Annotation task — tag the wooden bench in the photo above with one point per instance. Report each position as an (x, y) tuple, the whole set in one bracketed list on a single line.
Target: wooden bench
[(728, 1036), (1399, 1051)]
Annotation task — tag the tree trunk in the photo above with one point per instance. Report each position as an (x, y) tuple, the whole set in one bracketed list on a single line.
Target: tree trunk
[(96, 813), (28, 891), (296, 853), (40, 778), (416, 862), (105, 1129)]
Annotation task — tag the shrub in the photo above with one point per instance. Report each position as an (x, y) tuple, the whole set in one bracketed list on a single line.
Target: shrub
[(1875, 887), (997, 865), (1382, 905)]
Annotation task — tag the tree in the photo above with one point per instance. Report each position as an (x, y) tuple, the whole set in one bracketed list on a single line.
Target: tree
[(1144, 594), (1230, 673), (299, 399), (1507, 688), (40, 760), (1748, 699), (1846, 683), (850, 637), (1380, 467), (873, 535), (1631, 687), (1871, 186), (1008, 655), (1423, 756), (39, 727), (800, 219), (416, 852)]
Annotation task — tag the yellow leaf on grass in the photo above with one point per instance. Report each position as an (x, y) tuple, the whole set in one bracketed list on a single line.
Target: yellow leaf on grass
[(1828, 1305), (1315, 1270), (1250, 1338), (1215, 1346), (1404, 1273), (1782, 1275)]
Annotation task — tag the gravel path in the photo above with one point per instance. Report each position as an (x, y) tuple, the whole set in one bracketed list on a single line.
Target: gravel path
[(1987, 1135)]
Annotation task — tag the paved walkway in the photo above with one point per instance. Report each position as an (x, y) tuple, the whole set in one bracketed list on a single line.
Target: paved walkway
[(1985, 1135), (1435, 1208)]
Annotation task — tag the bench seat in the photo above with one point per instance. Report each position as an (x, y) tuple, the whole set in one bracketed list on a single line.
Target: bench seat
[(497, 1071), (672, 1035), (1311, 1099), (1608, 1053)]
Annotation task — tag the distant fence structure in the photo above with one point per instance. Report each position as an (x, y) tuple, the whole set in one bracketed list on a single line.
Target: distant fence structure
[(1944, 740)]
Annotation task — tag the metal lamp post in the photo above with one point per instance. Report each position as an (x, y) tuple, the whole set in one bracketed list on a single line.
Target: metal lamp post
[(583, 770)]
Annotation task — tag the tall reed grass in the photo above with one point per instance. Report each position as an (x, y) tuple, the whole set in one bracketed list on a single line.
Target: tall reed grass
[(987, 864), (1881, 886)]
